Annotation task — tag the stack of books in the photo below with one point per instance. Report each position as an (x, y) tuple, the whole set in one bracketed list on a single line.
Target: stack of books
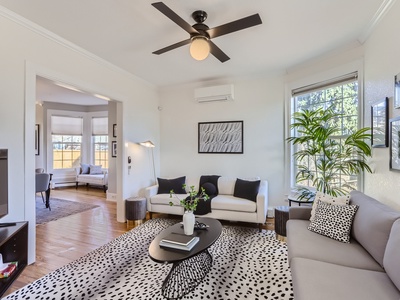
[(179, 241), (7, 269)]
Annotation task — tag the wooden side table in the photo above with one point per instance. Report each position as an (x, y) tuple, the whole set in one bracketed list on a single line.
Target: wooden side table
[(281, 217), (135, 210)]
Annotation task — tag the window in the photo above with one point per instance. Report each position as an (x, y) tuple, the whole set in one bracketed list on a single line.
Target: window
[(341, 94), (66, 135), (100, 141)]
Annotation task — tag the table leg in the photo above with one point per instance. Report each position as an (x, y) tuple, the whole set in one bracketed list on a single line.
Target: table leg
[(186, 275), (48, 199)]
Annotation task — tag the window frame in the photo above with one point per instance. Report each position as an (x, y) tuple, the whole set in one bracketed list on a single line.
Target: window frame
[(308, 80)]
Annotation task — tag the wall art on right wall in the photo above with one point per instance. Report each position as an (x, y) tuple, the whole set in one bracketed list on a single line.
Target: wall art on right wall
[(396, 98), (394, 130)]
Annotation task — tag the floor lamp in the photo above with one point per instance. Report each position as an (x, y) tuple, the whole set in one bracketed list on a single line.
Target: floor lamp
[(149, 144)]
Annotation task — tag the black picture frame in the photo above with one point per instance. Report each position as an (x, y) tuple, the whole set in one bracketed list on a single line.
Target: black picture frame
[(379, 123), (37, 139), (394, 130), (114, 130), (223, 137), (113, 149), (396, 98)]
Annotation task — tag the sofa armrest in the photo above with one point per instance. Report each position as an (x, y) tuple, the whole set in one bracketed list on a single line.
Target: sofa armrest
[(300, 212), (262, 202), (150, 191), (77, 171)]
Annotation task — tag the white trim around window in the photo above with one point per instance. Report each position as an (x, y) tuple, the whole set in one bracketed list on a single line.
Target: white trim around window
[(356, 66)]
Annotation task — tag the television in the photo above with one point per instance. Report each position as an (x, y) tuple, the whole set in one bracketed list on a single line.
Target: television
[(3, 182)]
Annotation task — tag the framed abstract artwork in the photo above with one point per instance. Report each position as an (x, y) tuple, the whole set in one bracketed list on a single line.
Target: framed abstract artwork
[(379, 123), (396, 98), (114, 130), (37, 139), (113, 149), (394, 139), (220, 137)]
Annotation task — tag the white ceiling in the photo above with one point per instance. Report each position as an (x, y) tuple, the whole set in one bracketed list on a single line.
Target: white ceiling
[(126, 32)]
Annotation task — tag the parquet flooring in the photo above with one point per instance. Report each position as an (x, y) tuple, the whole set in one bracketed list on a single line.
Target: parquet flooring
[(65, 240)]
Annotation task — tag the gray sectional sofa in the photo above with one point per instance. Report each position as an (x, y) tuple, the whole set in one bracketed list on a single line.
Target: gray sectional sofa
[(366, 268)]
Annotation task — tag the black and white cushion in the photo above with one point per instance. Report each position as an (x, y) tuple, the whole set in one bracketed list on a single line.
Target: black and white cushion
[(333, 221)]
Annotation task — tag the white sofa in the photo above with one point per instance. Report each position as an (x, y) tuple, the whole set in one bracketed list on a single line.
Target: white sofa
[(95, 179), (224, 206)]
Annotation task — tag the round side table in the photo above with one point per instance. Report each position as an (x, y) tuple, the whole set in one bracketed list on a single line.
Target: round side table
[(135, 210), (281, 217)]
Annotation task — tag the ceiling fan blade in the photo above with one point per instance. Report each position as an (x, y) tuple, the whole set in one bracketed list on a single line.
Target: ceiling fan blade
[(172, 47), (217, 52), (174, 17), (240, 24)]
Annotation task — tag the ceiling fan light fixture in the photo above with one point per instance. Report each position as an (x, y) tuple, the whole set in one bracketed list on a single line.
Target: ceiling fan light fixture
[(199, 48)]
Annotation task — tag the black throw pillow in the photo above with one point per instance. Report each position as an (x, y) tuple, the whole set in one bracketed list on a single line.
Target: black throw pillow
[(209, 188), (246, 189), (176, 184)]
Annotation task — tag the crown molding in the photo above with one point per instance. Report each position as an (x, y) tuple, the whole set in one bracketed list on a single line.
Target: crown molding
[(373, 23), (5, 12)]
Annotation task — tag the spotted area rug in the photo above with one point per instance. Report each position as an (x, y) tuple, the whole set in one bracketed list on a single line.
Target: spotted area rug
[(60, 208), (247, 264)]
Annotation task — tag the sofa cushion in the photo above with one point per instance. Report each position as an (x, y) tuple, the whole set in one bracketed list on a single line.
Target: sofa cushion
[(95, 179), (341, 200), (226, 185), (333, 220), (372, 224), (246, 189), (95, 170), (212, 179), (391, 260), (304, 243), (176, 184), (85, 168), (316, 280), (209, 188), (231, 203)]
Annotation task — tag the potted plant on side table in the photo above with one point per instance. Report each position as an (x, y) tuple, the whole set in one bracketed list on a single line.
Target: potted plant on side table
[(189, 204), (324, 156)]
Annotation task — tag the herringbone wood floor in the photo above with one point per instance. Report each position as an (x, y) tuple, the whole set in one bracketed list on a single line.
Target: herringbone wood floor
[(62, 241)]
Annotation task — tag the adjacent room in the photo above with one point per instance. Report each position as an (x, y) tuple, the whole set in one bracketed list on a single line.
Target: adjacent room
[(199, 150)]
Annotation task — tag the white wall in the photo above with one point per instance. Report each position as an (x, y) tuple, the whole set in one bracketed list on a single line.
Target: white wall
[(259, 103), (28, 53), (382, 63)]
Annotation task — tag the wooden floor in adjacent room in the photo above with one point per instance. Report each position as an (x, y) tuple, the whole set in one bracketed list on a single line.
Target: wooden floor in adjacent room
[(65, 240)]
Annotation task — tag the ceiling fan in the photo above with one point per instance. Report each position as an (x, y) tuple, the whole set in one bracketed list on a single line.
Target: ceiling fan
[(201, 34)]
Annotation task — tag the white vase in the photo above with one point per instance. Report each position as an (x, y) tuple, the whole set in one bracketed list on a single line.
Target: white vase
[(188, 222)]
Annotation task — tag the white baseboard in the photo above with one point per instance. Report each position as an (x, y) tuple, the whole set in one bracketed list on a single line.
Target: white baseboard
[(111, 197), (271, 212)]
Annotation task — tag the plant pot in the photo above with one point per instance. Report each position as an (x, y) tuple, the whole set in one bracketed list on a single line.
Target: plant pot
[(188, 222)]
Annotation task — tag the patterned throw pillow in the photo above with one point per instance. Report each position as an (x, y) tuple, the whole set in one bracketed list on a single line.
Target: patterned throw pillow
[(341, 200), (333, 221), (95, 170)]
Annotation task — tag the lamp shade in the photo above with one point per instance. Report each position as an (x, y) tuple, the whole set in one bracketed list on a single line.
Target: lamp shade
[(199, 48), (148, 144)]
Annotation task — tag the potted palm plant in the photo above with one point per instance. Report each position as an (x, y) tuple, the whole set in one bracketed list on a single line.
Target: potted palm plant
[(323, 156)]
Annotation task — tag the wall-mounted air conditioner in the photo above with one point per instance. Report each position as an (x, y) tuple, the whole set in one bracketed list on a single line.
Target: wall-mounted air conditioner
[(214, 93)]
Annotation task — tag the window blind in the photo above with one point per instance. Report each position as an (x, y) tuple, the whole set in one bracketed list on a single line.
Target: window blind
[(100, 126), (62, 125), (325, 84)]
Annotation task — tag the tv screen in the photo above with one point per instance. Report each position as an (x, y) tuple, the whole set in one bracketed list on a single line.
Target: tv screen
[(3, 182)]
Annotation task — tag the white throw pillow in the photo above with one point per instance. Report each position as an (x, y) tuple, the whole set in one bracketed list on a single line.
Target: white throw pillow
[(341, 200), (95, 170)]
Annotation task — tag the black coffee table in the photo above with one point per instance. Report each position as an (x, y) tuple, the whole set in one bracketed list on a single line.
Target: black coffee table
[(189, 267)]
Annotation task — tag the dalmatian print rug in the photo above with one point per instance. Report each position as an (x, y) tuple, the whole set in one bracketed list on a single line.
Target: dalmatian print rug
[(247, 264)]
